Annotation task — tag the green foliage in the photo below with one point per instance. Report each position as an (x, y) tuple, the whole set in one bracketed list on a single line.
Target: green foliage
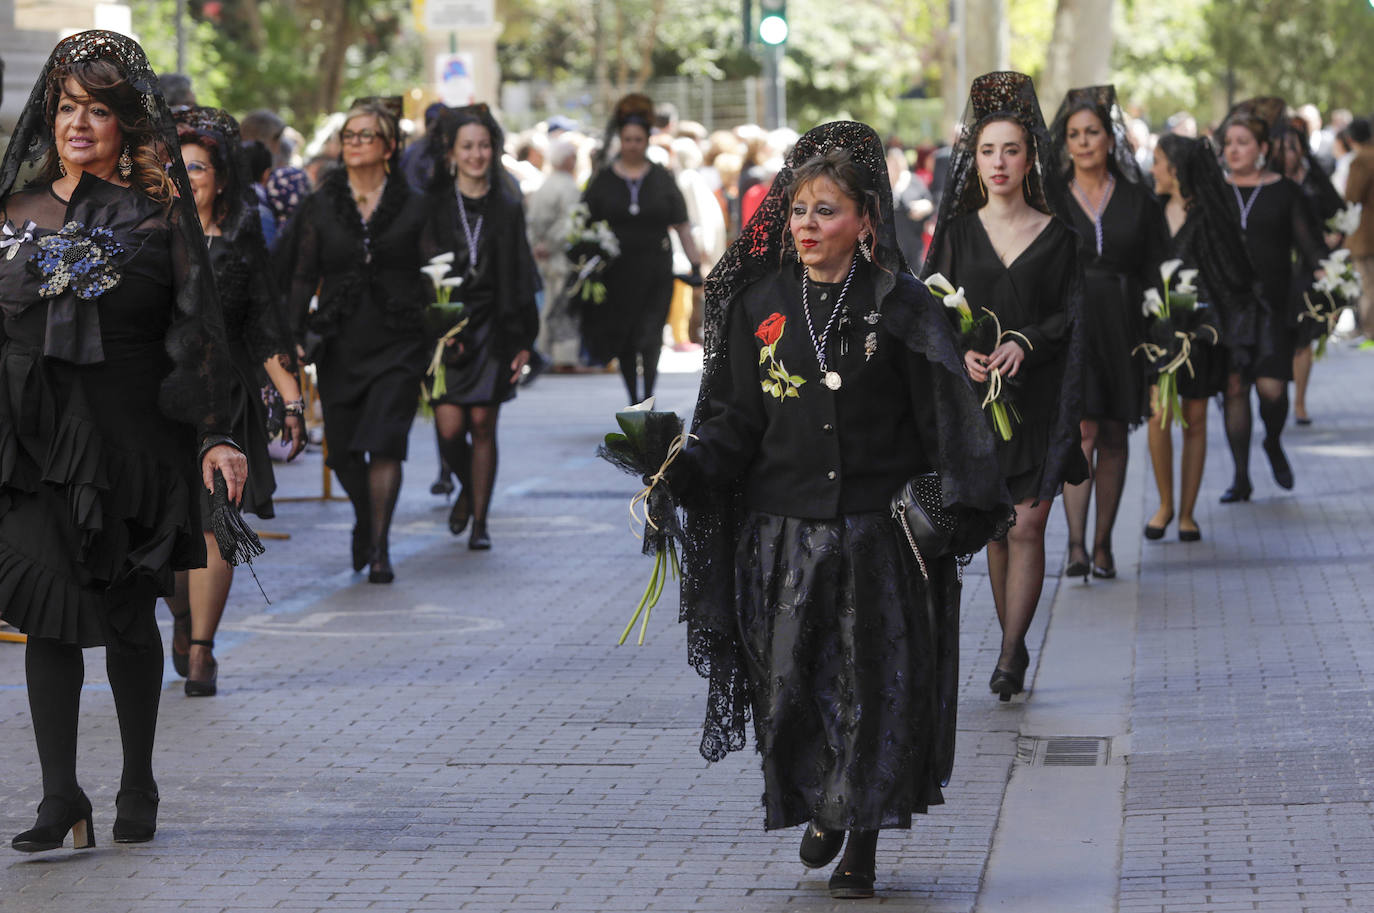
[(301, 59)]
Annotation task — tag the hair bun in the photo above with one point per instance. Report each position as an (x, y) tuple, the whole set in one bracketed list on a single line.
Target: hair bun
[(635, 107)]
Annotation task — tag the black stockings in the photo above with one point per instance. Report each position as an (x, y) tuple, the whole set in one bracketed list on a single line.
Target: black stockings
[(630, 370), (55, 672), (1273, 410), (1016, 570), (860, 852), (1104, 444), (373, 486), (467, 437)]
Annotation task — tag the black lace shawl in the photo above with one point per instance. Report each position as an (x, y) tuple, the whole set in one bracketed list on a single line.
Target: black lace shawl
[(995, 96), (196, 391), (1212, 241), (248, 292), (708, 583)]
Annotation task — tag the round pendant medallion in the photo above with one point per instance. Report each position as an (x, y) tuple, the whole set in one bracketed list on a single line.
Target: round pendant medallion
[(832, 379), (634, 209)]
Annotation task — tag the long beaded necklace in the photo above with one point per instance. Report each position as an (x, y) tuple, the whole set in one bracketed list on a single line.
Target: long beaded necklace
[(1096, 210), (634, 184), (473, 235), (1245, 205), (822, 343)]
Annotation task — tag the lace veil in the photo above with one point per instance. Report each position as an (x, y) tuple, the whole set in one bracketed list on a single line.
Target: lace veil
[(196, 391), (968, 468)]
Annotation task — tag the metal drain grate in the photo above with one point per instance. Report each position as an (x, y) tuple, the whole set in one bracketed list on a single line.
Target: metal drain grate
[(1064, 751)]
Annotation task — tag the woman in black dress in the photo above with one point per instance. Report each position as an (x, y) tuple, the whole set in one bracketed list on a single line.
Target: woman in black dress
[(258, 345), (358, 240), (1122, 240), (482, 222), (996, 240), (1277, 224), (1206, 239), (1323, 201), (640, 201), (111, 376), (802, 600)]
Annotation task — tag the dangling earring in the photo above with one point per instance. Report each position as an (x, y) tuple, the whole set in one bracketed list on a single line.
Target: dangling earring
[(61, 168), (386, 165), (126, 164), (981, 186), (1025, 181), (1259, 162), (864, 249)]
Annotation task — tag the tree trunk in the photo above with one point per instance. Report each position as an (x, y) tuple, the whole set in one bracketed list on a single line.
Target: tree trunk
[(1080, 51), (646, 59), (336, 36)]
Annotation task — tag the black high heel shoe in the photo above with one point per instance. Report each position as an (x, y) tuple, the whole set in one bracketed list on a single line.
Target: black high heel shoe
[(480, 540), (1107, 569), (1239, 491), (203, 687), (818, 848), (379, 570), (135, 815), (56, 816), (1278, 461), (459, 514), (1076, 568), (1004, 684), (362, 546)]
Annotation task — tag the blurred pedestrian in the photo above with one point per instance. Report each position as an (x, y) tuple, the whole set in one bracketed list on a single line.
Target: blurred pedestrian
[(549, 208), (806, 606), (358, 241), (1359, 188), (1122, 240), (1205, 237), (483, 224), (641, 202), (996, 239), (1277, 226), (112, 370), (911, 206), (260, 349)]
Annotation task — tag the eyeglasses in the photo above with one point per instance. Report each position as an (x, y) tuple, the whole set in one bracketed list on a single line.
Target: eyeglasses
[(198, 167), (361, 137)]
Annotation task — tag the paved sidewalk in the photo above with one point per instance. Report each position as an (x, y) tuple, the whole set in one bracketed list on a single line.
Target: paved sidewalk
[(470, 738)]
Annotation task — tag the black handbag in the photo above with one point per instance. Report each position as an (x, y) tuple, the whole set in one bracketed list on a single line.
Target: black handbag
[(928, 526)]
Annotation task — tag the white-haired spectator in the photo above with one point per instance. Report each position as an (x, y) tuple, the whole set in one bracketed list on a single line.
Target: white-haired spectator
[(547, 224)]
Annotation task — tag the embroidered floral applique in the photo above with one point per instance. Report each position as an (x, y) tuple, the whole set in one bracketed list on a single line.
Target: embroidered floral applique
[(778, 383), (79, 259), (11, 239)]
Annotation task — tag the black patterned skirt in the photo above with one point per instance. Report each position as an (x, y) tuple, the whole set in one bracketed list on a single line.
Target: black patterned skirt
[(853, 667)]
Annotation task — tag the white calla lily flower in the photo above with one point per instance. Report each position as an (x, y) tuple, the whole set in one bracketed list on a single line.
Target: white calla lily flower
[(451, 282), (939, 283), (436, 273), (955, 299), (442, 258), (1153, 305), (1167, 269)]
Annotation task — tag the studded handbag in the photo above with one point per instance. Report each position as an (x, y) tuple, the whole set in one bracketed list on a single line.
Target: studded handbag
[(927, 525)]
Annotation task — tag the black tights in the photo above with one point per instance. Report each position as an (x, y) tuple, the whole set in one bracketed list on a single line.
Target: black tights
[(55, 672), (1273, 410), (1016, 570), (372, 485), (467, 439), (629, 371), (1104, 439)]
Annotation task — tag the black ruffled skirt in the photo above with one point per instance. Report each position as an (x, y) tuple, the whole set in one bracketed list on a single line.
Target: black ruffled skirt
[(853, 668), (96, 503)]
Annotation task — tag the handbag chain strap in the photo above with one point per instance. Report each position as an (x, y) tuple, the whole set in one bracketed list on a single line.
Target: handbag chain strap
[(906, 528)]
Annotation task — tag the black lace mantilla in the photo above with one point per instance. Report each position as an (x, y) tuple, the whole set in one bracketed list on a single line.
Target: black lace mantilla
[(712, 527), (196, 391), (1101, 100)]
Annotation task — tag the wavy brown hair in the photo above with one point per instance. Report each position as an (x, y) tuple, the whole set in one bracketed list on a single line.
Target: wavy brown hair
[(102, 81)]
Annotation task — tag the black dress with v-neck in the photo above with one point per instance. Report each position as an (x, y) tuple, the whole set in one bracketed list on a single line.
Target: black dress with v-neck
[(1135, 240), (1030, 296)]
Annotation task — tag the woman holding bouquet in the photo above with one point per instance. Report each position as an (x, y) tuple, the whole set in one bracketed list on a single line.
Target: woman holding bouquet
[(1122, 240), (1276, 223), (831, 379), (1206, 239), (641, 201), (358, 240), (483, 224), (996, 240)]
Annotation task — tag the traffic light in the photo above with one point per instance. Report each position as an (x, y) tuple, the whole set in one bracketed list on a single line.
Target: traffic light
[(773, 22)]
